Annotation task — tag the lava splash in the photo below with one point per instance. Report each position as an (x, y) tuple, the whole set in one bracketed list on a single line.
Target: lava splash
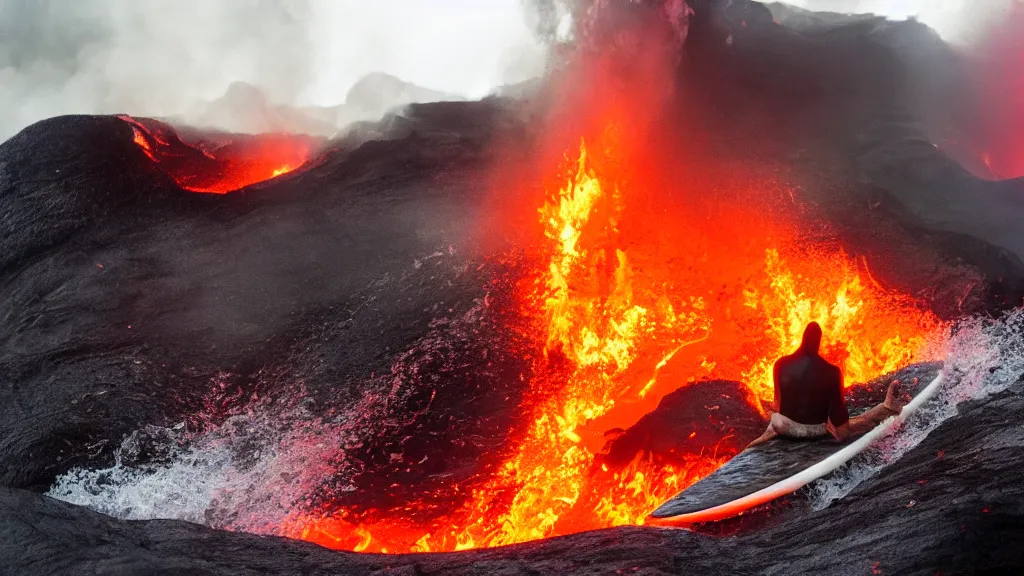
[(220, 164)]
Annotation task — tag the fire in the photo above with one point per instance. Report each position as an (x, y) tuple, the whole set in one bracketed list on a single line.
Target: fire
[(222, 166), (615, 306), (862, 343)]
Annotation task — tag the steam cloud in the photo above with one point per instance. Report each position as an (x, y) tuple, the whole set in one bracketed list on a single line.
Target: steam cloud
[(173, 58)]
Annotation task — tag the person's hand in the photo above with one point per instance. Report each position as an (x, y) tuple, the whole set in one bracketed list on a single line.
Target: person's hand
[(841, 433)]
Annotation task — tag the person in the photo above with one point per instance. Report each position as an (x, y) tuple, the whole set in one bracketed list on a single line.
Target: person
[(809, 399)]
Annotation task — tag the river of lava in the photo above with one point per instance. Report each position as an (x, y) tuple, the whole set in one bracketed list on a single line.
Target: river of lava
[(220, 164), (631, 300)]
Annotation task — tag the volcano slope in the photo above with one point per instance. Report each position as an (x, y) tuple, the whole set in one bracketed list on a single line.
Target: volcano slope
[(129, 302)]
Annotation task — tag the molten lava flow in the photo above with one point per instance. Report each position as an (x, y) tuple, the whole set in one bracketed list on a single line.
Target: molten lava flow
[(626, 294), (218, 167)]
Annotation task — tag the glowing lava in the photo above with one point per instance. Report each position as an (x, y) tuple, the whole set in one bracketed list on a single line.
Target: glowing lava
[(221, 165), (625, 296)]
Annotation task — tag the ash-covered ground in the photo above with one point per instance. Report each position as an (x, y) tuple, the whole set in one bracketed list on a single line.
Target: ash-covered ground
[(274, 324)]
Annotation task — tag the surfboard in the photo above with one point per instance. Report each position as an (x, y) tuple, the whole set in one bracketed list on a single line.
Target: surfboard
[(780, 466)]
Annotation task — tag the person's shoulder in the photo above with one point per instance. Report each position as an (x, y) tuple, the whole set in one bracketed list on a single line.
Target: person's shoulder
[(785, 360)]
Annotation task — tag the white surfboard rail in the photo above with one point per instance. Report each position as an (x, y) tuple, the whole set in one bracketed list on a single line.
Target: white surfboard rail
[(804, 477)]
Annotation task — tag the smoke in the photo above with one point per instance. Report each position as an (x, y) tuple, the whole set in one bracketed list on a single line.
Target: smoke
[(289, 64), (994, 123), (969, 91), (957, 21)]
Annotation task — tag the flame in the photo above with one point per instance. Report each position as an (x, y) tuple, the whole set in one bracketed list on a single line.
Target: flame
[(614, 310)]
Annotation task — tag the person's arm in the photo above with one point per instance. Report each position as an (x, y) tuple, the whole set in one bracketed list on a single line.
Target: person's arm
[(838, 415)]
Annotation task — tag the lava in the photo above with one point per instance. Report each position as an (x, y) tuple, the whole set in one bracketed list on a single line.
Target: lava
[(220, 165), (621, 296)]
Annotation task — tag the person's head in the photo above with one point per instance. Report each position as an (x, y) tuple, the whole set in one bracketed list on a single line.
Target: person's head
[(812, 339)]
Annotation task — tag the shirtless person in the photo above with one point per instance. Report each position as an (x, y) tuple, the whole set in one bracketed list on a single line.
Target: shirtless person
[(809, 397)]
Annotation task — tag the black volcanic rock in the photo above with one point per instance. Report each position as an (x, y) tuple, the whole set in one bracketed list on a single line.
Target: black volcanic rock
[(827, 15), (59, 176), (688, 421), (125, 297)]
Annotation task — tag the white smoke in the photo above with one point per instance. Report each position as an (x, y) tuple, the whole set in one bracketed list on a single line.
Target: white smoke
[(170, 58)]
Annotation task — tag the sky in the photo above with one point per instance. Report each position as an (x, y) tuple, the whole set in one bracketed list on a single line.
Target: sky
[(466, 47), (168, 57)]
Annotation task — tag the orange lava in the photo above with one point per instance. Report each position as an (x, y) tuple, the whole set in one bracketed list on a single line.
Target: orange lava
[(641, 292), (221, 166)]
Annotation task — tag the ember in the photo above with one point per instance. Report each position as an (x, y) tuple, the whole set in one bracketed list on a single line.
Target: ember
[(224, 165)]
